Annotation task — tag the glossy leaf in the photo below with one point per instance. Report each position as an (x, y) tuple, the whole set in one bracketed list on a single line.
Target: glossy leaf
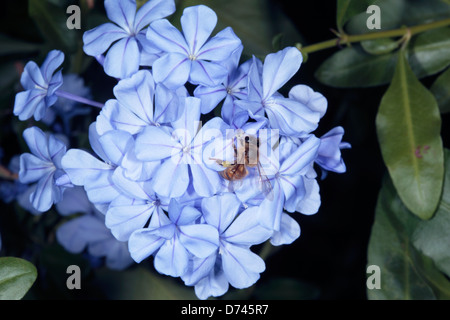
[(405, 274), (346, 9), (432, 237), (16, 278), (51, 21), (379, 46), (352, 67), (441, 91), (399, 13), (408, 128)]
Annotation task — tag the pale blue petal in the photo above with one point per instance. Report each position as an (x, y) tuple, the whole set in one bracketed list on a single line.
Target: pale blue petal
[(172, 70), (143, 243), (279, 68), (122, 59), (172, 179), (136, 94), (197, 23), (210, 96), (271, 208), (121, 12), (311, 201), (288, 233), (187, 126), (165, 37), (215, 285), (207, 73), (33, 168), (82, 167), (219, 211), (74, 201), (46, 193), (153, 10), (102, 190), (298, 162), (98, 40), (52, 62), (199, 239), (307, 96), (37, 141), (241, 266), (246, 229), (94, 141), (199, 268), (154, 144), (104, 121), (27, 102), (32, 77), (116, 144), (220, 47), (329, 156), (206, 181), (291, 117), (172, 258), (167, 103)]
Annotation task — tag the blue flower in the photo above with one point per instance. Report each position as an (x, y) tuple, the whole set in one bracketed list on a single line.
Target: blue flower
[(40, 86), (94, 174), (43, 166), (233, 262), (233, 87), (174, 239), (125, 40), (180, 148), (290, 116), (88, 231), (139, 103), (329, 157), (191, 55)]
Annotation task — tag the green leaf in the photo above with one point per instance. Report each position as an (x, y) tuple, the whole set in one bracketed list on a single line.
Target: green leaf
[(379, 46), (351, 67), (346, 9), (408, 128), (399, 13), (405, 273), (16, 277), (255, 22), (51, 21), (432, 237), (138, 283), (441, 91)]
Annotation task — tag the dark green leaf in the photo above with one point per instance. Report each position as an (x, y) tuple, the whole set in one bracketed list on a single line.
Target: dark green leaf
[(399, 13), (51, 21), (428, 53), (255, 22), (441, 91), (379, 46), (346, 9), (16, 278), (405, 273), (432, 237), (408, 128)]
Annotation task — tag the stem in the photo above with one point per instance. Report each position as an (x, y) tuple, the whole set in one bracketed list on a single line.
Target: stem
[(70, 96), (347, 39)]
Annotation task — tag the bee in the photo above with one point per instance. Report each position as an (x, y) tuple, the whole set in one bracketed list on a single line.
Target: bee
[(246, 155)]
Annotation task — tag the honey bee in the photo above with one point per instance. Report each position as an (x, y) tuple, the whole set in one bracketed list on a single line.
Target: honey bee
[(246, 155)]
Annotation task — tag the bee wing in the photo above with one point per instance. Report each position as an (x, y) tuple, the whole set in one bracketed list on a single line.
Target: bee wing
[(264, 183)]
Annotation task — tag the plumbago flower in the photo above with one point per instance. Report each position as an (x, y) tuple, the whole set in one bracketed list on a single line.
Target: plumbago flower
[(125, 40), (43, 167), (40, 86), (166, 180), (191, 56)]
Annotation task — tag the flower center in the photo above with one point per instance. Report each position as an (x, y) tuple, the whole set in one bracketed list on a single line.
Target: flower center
[(192, 57)]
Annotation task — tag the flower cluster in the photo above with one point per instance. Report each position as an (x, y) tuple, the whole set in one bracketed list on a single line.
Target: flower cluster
[(194, 196)]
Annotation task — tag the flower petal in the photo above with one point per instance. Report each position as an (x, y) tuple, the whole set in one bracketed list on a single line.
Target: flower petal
[(122, 59), (288, 233), (153, 10), (199, 239), (143, 243), (98, 40), (155, 144), (313, 100), (279, 68), (52, 62), (219, 211), (116, 144), (220, 47), (172, 178), (46, 193), (172, 258), (172, 70), (32, 77), (207, 73), (197, 22), (33, 168), (165, 37), (121, 12), (299, 160), (27, 102)]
